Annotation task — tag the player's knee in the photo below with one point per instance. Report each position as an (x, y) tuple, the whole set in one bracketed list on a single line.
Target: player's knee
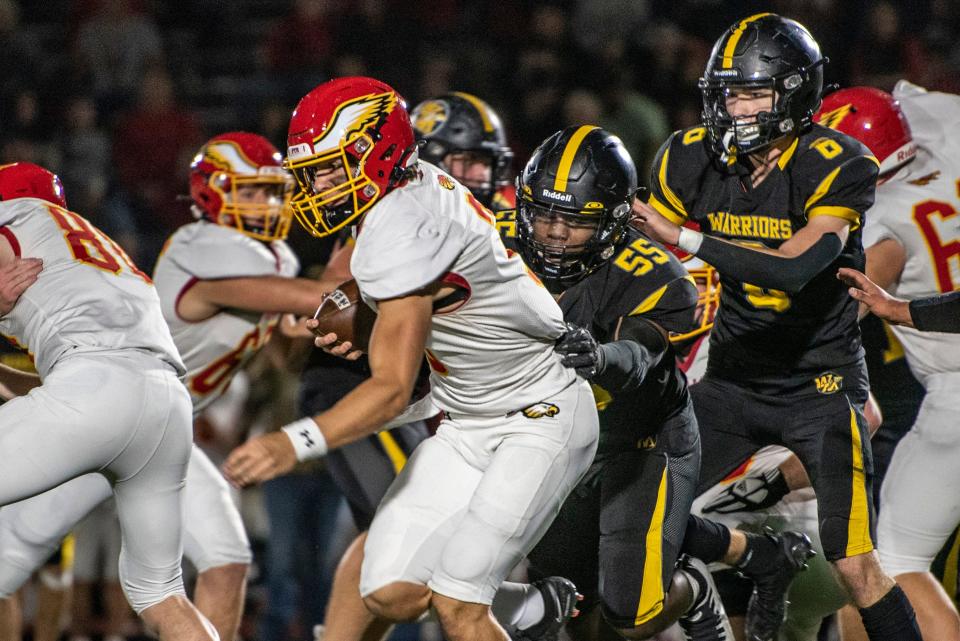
[(399, 601), (19, 557), (676, 601), (146, 586)]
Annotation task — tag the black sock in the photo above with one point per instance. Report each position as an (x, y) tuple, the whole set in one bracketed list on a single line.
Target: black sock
[(706, 540), (760, 555), (891, 618)]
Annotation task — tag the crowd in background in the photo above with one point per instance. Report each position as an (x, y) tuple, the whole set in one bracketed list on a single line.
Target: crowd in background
[(117, 95)]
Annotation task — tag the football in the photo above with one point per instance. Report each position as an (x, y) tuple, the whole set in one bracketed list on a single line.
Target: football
[(344, 313)]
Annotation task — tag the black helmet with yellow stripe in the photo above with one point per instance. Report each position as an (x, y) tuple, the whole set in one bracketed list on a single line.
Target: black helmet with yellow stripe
[(459, 123), (573, 203), (764, 51)]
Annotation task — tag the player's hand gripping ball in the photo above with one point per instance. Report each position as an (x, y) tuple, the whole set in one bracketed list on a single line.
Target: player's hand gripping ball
[(344, 313)]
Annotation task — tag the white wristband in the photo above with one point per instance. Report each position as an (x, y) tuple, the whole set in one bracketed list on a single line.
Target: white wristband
[(307, 439), (689, 240)]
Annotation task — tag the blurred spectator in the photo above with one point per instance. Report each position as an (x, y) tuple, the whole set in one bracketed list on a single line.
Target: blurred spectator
[(303, 39), (885, 53), (85, 157), (581, 107), (24, 63), (153, 145), (639, 121), (115, 47)]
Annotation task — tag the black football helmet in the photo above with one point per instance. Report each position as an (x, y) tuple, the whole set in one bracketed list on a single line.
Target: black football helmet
[(585, 175), (762, 51), (460, 122)]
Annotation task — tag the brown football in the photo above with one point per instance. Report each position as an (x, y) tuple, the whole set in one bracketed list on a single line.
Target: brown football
[(344, 313)]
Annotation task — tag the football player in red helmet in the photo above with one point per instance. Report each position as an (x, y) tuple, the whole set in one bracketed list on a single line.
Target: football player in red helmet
[(236, 180), (874, 118), (27, 180), (462, 135), (428, 256), (232, 259), (349, 146), (908, 248)]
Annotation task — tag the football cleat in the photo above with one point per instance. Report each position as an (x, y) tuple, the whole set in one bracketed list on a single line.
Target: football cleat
[(706, 619), (768, 603), (560, 605)]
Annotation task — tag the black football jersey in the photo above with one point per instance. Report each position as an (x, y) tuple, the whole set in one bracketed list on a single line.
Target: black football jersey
[(642, 279), (767, 337)]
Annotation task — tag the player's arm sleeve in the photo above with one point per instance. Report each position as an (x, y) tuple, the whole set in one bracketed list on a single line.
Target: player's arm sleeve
[(768, 270), (642, 336), (937, 313), (640, 346), (665, 194)]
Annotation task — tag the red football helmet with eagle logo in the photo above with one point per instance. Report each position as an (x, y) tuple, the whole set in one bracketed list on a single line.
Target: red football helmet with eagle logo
[(357, 125), (874, 118), (237, 180), (27, 180)]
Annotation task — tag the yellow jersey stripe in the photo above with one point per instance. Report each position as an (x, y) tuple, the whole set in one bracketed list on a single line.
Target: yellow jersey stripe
[(822, 188), (849, 215), (569, 152), (651, 590), (394, 452), (858, 525), (665, 211), (671, 197), (67, 550), (787, 155), (731, 45), (480, 106), (649, 302)]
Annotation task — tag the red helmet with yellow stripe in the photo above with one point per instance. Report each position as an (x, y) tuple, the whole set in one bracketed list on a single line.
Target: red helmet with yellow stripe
[(350, 143), (237, 180)]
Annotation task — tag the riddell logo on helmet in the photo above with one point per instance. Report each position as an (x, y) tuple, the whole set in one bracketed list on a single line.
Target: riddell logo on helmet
[(556, 195)]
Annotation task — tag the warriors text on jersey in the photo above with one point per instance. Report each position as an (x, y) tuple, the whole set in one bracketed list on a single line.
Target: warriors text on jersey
[(215, 348), (109, 303), (494, 353), (767, 336), (919, 209), (643, 279)]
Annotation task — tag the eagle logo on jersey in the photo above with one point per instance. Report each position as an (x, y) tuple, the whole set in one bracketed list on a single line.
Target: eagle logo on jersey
[(828, 383), (429, 116), (834, 117), (445, 181), (540, 410), (923, 181), (356, 116)]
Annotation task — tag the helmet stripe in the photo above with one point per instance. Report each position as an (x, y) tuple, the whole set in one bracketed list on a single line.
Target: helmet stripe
[(480, 106), (569, 152), (735, 36)]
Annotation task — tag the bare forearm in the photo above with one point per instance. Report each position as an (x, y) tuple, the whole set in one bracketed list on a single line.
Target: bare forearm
[(364, 411)]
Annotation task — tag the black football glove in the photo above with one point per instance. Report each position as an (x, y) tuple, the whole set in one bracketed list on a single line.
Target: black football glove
[(749, 494), (580, 351)]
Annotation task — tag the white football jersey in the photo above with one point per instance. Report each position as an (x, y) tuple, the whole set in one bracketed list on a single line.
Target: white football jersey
[(216, 348), (919, 208), (493, 354), (89, 296)]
